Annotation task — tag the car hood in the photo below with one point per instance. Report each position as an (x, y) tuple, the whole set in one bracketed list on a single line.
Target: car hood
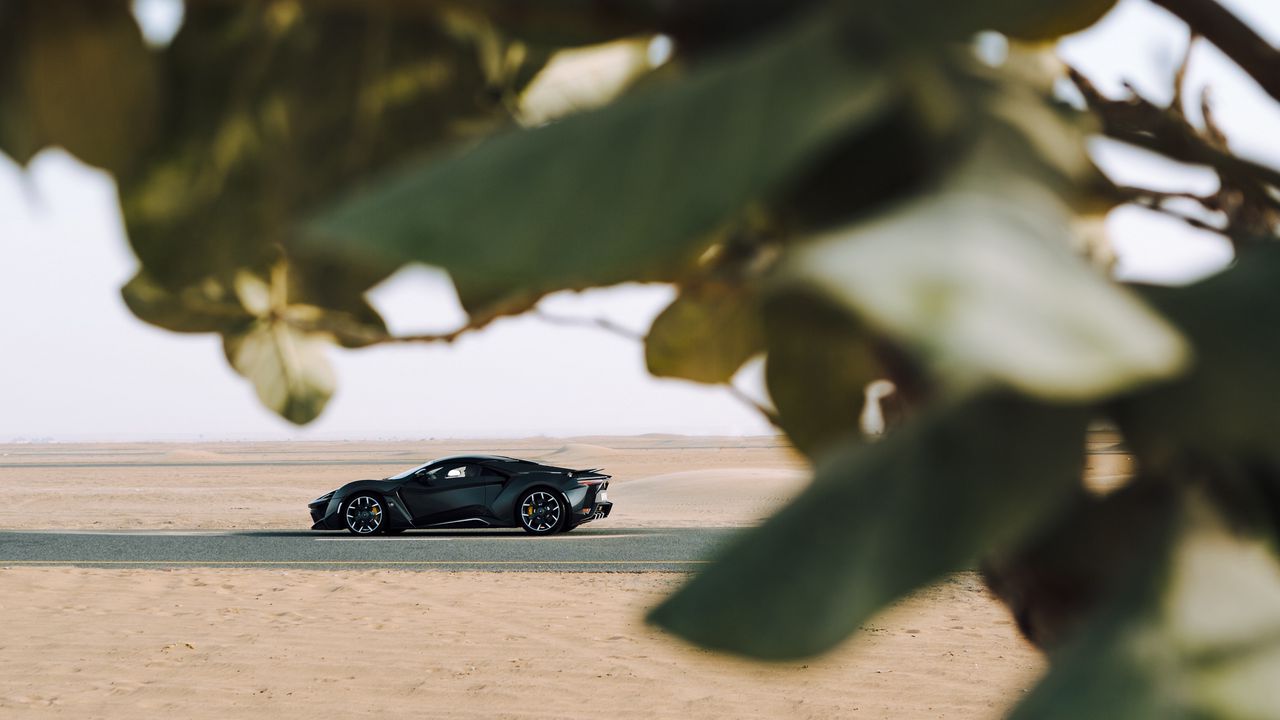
[(357, 485)]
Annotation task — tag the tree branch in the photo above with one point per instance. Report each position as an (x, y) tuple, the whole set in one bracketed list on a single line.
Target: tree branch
[(1232, 36), (1248, 192), (352, 332)]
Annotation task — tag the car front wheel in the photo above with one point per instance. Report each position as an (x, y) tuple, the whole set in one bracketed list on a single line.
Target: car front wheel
[(364, 515)]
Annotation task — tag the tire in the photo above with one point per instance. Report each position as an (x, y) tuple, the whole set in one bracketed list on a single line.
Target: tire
[(364, 515), (541, 512)]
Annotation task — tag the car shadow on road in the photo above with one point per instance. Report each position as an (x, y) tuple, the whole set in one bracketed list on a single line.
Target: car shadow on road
[(512, 533)]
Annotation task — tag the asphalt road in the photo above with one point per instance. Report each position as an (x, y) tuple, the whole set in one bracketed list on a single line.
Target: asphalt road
[(599, 549)]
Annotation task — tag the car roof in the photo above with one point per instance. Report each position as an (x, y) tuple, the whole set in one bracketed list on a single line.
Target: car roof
[(478, 458)]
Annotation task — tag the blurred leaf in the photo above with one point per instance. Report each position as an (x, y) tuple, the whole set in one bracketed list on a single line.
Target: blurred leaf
[(204, 307), (1226, 407), (1045, 19), (273, 110), (818, 366), (894, 156), (933, 22), (287, 367), (586, 22), (705, 334), (1070, 569), (881, 520), (571, 22), (20, 139), (83, 79), (980, 280), (1197, 635), (339, 290), (622, 193)]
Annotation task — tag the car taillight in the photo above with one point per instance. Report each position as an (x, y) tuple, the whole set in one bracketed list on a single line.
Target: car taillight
[(592, 481)]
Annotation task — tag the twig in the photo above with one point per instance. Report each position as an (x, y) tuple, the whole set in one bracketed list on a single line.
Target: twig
[(610, 326), (1194, 222), (1232, 36), (349, 330), (1212, 130), (1180, 75), (750, 402), (597, 323)]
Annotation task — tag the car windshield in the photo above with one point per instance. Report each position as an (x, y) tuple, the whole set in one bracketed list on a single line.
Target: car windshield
[(409, 472)]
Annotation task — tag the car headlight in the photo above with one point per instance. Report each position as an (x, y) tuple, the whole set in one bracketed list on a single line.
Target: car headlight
[(322, 499)]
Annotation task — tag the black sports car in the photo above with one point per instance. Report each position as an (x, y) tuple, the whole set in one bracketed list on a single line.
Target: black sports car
[(467, 491)]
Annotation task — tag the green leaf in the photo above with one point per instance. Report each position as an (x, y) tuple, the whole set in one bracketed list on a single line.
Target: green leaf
[(287, 367), (623, 193), (205, 307), (705, 334), (980, 280), (85, 81), (1225, 409), (1195, 635), (819, 364), (881, 520)]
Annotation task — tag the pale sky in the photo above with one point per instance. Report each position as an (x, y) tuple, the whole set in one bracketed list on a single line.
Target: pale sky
[(77, 365)]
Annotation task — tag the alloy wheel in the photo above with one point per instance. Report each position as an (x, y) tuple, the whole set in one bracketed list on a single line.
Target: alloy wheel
[(541, 512), (364, 515)]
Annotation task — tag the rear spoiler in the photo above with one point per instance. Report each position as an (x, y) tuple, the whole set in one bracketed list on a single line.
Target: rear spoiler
[(591, 471)]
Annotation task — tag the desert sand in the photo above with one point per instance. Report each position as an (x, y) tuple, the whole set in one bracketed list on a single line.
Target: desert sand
[(237, 643), (286, 644)]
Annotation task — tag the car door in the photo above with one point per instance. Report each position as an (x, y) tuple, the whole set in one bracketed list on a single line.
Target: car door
[(447, 493), (493, 480)]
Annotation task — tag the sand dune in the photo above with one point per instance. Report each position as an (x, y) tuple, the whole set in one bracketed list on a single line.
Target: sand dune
[(188, 455), (580, 456), (721, 497)]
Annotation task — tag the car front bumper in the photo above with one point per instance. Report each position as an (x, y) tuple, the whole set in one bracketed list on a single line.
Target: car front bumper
[(325, 516)]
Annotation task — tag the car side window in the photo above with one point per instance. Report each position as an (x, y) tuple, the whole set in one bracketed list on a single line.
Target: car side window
[(455, 473)]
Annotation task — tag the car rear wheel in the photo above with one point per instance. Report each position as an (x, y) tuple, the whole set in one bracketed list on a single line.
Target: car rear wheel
[(364, 515), (541, 512)]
